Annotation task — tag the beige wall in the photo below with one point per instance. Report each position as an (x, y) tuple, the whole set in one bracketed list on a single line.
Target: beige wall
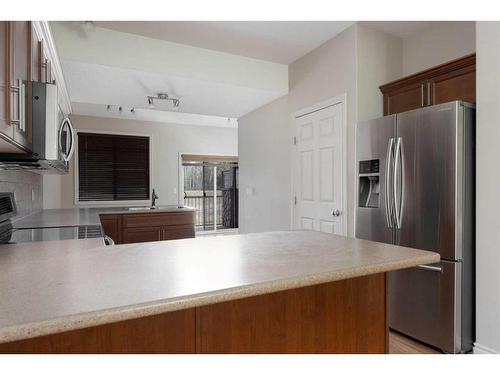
[(379, 61), (264, 139), (333, 69), (265, 135), (326, 72), (487, 180), (167, 141), (437, 44)]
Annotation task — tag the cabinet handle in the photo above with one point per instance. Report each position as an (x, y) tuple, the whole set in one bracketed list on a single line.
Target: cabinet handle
[(46, 67), (18, 90), (429, 93), (422, 94)]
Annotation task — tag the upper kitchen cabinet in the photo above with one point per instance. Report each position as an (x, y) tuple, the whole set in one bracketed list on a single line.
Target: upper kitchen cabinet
[(16, 57), (36, 56), (5, 126), (27, 53), (455, 80)]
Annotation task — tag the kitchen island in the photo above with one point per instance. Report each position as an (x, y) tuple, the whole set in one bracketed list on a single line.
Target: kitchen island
[(121, 224), (277, 292)]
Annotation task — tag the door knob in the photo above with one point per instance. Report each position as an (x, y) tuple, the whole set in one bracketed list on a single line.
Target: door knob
[(335, 213)]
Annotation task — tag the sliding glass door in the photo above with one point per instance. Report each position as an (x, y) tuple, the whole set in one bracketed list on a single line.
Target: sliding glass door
[(212, 188)]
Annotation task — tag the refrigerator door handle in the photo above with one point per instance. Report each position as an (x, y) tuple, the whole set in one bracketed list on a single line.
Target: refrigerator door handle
[(388, 200), (430, 268), (398, 165)]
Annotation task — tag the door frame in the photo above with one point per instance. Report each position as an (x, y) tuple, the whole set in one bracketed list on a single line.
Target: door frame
[(339, 99), (180, 187)]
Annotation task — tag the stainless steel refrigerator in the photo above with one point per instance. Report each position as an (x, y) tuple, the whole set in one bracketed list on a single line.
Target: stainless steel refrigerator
[(416, 189)]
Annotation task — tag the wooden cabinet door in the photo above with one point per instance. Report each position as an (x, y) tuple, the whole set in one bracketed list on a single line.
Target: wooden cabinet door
[(141, 234), (21, 50), (5, 126), (20, 75), (36, 56), (111, 224), (406, 98), (454, 80), (177, 232), (456, 85)]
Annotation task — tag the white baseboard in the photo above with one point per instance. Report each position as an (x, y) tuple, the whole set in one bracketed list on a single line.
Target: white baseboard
[(481, 349)]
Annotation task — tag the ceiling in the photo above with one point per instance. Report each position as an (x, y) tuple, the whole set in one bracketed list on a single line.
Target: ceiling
[(105, 67), (105, 85), (401, 29), (223, 69), (277, 41)]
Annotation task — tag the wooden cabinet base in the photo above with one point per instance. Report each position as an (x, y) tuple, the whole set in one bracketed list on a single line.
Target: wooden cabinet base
[(347, 316), (165, 333)]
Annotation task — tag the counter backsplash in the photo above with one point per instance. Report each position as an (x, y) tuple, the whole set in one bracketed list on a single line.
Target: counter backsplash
[(22, 183)]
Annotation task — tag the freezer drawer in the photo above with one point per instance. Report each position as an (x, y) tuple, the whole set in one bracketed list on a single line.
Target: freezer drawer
[(425, 303)]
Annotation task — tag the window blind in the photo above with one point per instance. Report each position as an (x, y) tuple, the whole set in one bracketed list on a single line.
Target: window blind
[(112, 167)]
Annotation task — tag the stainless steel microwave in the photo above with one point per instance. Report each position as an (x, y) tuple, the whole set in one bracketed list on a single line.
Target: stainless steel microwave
[(53, 137)]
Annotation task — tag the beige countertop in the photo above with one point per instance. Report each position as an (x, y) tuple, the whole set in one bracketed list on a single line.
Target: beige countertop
[(50, 287), (68, 217)]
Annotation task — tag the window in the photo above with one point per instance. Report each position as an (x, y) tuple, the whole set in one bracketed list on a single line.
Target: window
[(112, 167), (211, 186)]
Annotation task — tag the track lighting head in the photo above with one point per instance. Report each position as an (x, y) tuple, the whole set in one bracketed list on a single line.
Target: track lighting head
[(150, 102), (163, 96)]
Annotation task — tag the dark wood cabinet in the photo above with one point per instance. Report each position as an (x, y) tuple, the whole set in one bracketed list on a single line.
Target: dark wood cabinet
[(5, 125), (344, 316), (150, 226), (20, 63), (141, 234), (36, 56), (455, 80), (111, 225)]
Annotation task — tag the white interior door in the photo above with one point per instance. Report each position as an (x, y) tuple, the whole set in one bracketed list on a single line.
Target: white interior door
[(320, 175)]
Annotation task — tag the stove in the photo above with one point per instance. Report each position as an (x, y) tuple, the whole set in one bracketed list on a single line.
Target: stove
[(8, 234)]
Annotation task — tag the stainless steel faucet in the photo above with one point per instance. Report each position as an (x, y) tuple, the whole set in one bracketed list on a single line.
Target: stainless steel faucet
[(154, 197)]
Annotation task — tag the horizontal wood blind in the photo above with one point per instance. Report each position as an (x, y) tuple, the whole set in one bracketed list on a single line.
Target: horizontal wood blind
[(113, 167)]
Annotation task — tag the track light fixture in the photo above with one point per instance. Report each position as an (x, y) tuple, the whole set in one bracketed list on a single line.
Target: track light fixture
[(162, 96)]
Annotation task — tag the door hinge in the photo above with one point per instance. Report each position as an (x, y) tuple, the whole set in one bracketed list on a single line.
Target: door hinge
[(294, 139)]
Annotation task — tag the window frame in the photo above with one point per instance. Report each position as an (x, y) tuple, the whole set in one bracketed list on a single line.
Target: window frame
[(114, 203)]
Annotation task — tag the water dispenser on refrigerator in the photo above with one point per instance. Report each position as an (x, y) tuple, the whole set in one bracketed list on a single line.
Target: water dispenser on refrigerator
[(369, 183)]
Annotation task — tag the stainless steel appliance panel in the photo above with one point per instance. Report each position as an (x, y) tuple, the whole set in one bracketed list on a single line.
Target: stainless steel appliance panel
[(428, 304), (375, 142), (426, 173)]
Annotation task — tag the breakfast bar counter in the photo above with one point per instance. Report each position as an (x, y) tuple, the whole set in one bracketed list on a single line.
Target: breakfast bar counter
[(276, 292)]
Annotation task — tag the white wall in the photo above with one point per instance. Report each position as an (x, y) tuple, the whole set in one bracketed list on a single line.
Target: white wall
[(354, 63), (379, 60), (265, 134), (437, 44), (167, 141), (264, 138), (487, 179)]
